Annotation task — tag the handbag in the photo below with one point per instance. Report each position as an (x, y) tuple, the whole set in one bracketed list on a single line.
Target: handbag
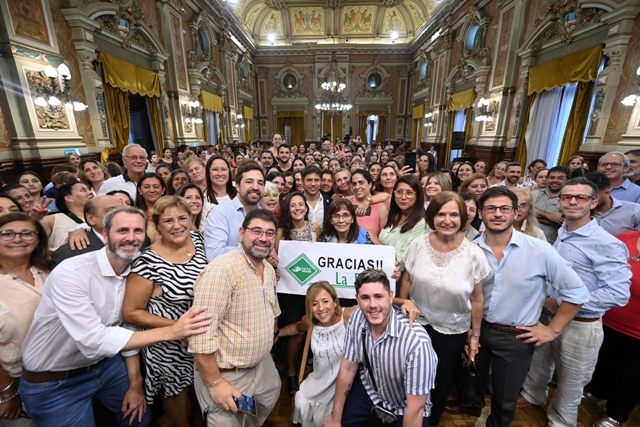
[(471, 389), (380, 416)]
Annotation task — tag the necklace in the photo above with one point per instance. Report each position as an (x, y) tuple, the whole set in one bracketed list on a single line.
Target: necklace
[(15, 276)]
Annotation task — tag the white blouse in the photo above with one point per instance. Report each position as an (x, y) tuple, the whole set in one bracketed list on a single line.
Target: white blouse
[(444, 282)]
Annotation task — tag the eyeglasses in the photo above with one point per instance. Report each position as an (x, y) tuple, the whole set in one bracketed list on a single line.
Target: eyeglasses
[(612, 164), (493, 209), (408, 193), (523, 207), (27, 236), (337, 217), (134, 158), (258, 232), (582, 198), (273, 194)]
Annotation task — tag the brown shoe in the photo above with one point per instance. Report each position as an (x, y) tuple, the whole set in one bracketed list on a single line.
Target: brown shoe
[(522, 402)]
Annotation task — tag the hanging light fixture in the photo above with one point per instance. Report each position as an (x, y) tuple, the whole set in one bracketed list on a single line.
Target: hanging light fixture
[(428, 120), (194, 114), (332, 100), (484, 115), (630, 100), (56, 92)]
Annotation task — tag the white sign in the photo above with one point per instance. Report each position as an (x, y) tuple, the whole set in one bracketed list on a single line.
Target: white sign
[(303, 263)]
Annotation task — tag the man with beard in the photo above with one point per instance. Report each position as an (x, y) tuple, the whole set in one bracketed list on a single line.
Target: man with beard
[(266, 159), (233, 357), (512, 175), (402, 361), (72, 352), (514, 294), (221, 231), (633, 171), (546, 203), (285, 162)]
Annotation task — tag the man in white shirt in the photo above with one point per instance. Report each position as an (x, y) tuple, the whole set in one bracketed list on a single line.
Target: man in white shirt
[(512, 176), (134, 158), (72, 352), (210, 151)]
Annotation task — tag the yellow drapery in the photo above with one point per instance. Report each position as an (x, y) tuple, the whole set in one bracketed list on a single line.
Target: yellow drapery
[(117, 103), (416, 132), (337, 126), (380, 135), (577, 67), (417, 112), (211, 101), (447, 151), (577, 122), (373, 113), (521, 149), (128, 77), (461, 100), (467, 127), (156, 120), (290, 114), (247, 112), (297, 130)]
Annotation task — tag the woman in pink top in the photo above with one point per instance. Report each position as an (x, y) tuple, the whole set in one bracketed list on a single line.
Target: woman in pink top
[(361, 185)]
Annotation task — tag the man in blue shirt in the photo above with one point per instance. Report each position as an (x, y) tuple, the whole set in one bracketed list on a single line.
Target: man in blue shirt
[(222, 232), (600, 260), (403, 362), (615, 216), (613, 165), (514, 294)]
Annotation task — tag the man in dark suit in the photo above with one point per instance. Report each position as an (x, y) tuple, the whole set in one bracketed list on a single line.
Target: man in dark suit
[(318, 204), (94, 212)]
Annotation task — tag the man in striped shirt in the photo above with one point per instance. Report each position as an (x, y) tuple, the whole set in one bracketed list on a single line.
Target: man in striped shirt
[(401, 358)]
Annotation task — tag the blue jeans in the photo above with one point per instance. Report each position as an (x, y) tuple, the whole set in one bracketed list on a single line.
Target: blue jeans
[(357, 408), (68, 402)]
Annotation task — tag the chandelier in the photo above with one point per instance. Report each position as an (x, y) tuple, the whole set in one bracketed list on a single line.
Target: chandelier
[(56, 92), (428, 120), (332, 99), (193, 113)]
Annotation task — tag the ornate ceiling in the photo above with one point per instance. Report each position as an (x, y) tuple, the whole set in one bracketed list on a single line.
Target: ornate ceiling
[(304, 22)]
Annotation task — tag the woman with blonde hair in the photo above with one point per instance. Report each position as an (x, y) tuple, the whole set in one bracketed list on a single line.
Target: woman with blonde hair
[(476, 184), (497, 174), (93, 174), (525, 220), (433, 184)]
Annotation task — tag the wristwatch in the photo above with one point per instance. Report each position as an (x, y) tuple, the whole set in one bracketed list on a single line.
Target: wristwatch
[(369, 199)]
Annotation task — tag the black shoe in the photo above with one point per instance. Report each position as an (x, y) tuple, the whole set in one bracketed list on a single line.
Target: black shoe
[(292, 384)]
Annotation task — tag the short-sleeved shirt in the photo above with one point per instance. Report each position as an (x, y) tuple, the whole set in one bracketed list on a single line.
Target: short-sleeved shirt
[(243, 306), (545, 202), (442, 283), (403, 360), (402, 241), (120, 182)]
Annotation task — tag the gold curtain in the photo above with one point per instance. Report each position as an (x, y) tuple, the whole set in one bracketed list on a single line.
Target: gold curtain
[(380, 135), (337, 125), (205, 127), (117, 102), (447, 151), (574, 134), (297, 130), (521, 149), (280, 124), (290, 114), (467, 127), (210, 101), (461, 100), (247, 112), (156, 120), (577, 67), (417, 132), (248, 130), (128, 77), (417, 112)]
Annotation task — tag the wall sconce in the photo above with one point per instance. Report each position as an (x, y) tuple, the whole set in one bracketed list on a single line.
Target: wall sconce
[(194, 114), (394, 36), (55, 92), (236, 124), (630, 100), (428, 120), (484, 111), (272, 38)]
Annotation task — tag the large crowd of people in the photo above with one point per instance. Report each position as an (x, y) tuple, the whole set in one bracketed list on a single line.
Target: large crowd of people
[(133, 285)]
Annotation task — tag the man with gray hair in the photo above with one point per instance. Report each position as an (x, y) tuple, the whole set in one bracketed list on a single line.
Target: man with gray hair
[(77, 349), (134, 158), (633, 171), (613, 165)]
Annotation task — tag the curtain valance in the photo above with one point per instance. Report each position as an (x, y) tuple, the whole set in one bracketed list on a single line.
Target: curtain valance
[(210, 101), (247, 112), (461, 100), (577, 67), (128, 77), (290, 114), (417, 112)]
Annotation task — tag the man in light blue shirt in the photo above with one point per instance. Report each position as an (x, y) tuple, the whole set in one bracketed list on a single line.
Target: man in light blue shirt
[(600, 260), (613, 165), (513, 298), (615, 216), (221, 234)]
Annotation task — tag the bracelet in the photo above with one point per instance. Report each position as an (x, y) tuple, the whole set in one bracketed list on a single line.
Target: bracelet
[(475, 335), (12, 397), (216, 382), (7, 387)]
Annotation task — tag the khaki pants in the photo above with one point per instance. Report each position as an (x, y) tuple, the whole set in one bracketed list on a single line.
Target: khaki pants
[(261, 382)]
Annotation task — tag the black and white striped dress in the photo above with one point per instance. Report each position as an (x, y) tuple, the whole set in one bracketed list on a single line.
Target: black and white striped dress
[(168, 365)]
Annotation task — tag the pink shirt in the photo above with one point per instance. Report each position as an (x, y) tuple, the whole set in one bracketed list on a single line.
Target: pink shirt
[(369, 222)]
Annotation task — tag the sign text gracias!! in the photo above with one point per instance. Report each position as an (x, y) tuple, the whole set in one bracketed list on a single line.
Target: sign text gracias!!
[(304, 263)]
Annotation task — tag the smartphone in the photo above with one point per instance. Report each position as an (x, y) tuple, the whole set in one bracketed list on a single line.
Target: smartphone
[(246, 405), (367, 213), (410, 160)]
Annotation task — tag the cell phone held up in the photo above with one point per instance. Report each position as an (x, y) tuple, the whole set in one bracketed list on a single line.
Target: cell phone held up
[(410, 160)]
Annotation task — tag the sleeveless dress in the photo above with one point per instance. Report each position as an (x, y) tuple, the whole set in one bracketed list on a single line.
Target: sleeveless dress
[(168, 365), (62, 224), (314, 401)]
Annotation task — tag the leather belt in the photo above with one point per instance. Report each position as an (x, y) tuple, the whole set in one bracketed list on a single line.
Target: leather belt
[(586, 319), (47, 376), (227, 369), (508, 329)]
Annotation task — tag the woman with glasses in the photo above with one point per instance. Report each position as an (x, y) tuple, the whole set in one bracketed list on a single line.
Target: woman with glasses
[(497, 175), (159, 290), (178, 178), (25, 264), (525, 220), (270, 200), (294, 225), (404, 219), (444, 277), (341, 225)]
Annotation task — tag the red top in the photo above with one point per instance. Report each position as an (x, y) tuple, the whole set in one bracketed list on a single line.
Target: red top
[(627, 319)]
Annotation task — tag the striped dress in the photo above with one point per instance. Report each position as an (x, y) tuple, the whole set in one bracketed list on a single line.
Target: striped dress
[(168, 365)]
